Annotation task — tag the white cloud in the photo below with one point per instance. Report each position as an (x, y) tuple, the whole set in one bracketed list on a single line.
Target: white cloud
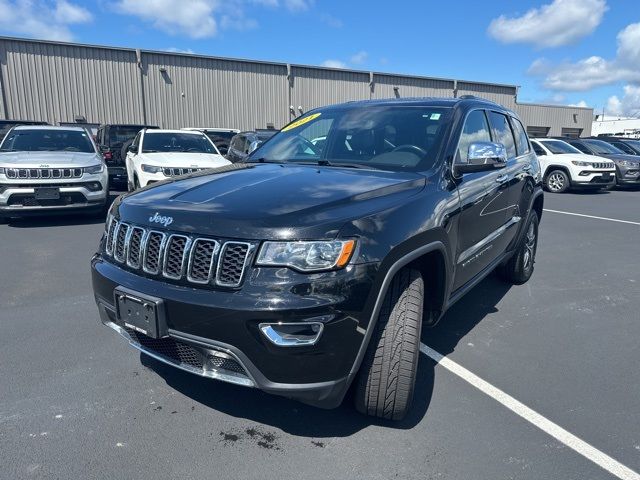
[(334, 64), (293, 5), (561, 22), (193, 18), (629, 106), (595, 71), (581, 104), (179, 50), (331, 21), (39, 19), (359, 58)]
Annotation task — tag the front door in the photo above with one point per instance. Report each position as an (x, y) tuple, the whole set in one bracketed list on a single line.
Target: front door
[(483, 202)]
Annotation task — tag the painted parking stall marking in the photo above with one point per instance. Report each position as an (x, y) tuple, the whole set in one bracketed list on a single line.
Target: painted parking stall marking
[(592, 216), (560, 434)]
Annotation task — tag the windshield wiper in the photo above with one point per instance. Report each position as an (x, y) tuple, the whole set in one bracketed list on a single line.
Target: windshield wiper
[(265, 160), (327, 163)]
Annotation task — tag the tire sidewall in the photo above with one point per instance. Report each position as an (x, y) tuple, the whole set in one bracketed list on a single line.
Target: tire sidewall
[(566, 181)]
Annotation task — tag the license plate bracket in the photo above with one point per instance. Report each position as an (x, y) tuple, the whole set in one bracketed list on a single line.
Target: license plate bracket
[(47, 193), (606, 176), (140, 312)]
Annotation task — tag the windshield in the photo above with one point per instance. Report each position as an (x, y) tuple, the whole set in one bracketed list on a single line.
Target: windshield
[(559, 147), (634, 145), (385, 137), (42, 140), (220, 135), (119, 135), (602, 147), (176, 142)]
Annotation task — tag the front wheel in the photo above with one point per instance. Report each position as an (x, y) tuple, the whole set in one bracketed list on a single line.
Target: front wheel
[(519, 268), (557, 181), (388, 374)]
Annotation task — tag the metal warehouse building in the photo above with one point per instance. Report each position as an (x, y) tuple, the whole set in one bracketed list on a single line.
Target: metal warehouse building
[(65, 82)]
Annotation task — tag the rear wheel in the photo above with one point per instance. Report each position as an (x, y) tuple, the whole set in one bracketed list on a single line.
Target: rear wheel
[(557, 181), (388, 374), (519, 267)]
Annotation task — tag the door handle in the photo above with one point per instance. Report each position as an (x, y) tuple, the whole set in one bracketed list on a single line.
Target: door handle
[(502, 178), (526, 168)]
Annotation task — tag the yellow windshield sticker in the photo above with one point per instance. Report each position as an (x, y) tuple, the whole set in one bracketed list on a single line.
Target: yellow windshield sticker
[(302, 121)]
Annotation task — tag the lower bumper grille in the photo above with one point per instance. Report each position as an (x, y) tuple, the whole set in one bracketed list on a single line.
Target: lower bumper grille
[(177, 351), (29, 200)]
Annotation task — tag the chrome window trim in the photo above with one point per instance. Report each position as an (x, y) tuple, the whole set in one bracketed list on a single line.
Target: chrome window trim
[(214, 259)]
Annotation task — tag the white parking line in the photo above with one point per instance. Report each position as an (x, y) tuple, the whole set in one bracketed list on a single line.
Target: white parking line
[(592, 216), (566, 438)]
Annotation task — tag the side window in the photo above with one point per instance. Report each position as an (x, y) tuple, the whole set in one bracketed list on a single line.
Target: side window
[(136, 141), (624, 147), (522, 142), (538, 149), (503, 133), (99, 136), (476, 129)]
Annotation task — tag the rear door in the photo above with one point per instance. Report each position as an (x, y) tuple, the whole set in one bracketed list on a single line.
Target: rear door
[(483, 201)]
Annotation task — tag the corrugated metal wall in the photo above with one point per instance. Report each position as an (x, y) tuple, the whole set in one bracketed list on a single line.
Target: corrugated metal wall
[(556, 117), (56, 82), (52, 82)]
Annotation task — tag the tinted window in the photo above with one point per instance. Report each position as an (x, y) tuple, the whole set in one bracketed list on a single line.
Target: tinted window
[(635, 144), (176, 142), (503, 133), (136, 141), (583, 148), (624, 147), (214, 136), (601, 147), (380, 136), (522, 142), (48, 141), (538, 149), (559, 147), (476, 129), (120, 135)]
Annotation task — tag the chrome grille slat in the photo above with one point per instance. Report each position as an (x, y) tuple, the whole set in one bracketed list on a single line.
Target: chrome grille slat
[(232, 263), (176, 256), (202, 260)]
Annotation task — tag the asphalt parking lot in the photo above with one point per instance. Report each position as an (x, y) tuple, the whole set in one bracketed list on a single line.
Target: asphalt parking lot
[(77, 402)]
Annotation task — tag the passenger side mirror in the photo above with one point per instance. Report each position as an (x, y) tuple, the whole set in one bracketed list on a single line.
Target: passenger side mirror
[(254, 146), (483, 157)]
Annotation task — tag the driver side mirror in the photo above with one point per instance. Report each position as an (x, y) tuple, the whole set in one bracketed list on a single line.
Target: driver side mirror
[(483, 157), (254, 146), (132, 149)]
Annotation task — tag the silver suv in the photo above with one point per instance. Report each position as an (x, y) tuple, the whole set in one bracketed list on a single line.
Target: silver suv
[(46, 168)]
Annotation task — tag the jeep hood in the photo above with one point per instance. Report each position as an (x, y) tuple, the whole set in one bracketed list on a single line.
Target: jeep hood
[(50, 159), (260, 201)]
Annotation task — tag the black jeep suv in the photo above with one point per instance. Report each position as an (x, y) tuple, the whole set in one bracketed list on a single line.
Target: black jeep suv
[(313, 265)]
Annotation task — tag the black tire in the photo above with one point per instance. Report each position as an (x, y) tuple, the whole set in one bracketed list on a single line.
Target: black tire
[(557, 181), (387, 377), (123, 150), (519, 268), (3, 220)]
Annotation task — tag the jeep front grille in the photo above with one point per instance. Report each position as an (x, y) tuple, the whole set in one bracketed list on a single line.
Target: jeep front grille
[(177, 171), (602, 165), (44, 172), (178, 257)]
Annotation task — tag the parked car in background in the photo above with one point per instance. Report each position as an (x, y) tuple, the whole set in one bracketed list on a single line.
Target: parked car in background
[(221, 137), (156, 155), (246, 142), (627, 166), (321, 274), (47, 168), (629, 146), (6, 125), (564, 166), (113, 141)]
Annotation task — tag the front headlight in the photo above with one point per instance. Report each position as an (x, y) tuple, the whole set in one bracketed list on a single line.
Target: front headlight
[(307, 256), (628, 163), (93, 169), (580, 163), (150, 168)]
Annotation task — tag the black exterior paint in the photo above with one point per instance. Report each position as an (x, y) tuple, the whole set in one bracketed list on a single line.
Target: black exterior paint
[(396, 217)]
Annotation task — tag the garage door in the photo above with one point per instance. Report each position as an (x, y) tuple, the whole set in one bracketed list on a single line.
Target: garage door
[(537, 131), (571, 132)]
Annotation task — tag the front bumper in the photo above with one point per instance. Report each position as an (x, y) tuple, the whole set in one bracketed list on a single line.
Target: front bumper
[(628, 176), (88, 192), (589, 178), (218, 322)]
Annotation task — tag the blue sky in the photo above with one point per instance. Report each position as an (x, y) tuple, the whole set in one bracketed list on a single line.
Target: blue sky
[(558, 51)]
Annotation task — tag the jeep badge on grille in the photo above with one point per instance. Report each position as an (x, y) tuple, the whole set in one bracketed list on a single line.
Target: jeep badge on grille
[(157, 218)]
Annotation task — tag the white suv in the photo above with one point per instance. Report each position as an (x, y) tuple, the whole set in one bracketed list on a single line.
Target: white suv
[(156, 155), (564, 166), (46, 168)]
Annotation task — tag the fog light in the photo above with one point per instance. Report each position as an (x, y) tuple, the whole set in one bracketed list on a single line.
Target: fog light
[(292, 334)]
